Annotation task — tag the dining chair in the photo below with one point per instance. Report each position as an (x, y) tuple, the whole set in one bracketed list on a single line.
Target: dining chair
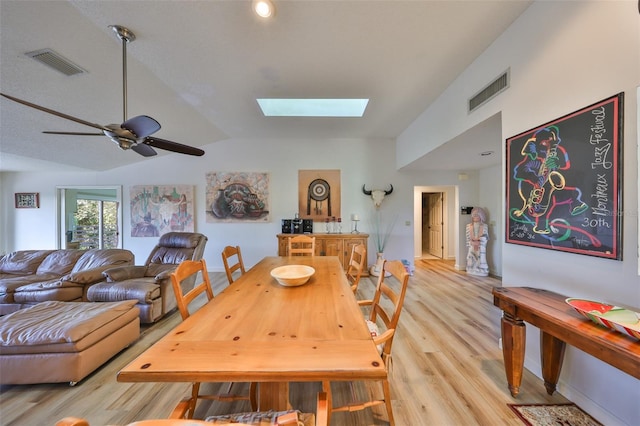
[(292, 417), (302, 245), (385, 309), (232, 259), (185, 271), (356, 265)]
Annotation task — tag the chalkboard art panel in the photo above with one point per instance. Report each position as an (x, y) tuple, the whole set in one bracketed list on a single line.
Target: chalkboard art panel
[(564, 182)]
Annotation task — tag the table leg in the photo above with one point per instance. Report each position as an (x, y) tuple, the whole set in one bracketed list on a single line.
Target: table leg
[(273, 396), (551, 357), (513, 346)]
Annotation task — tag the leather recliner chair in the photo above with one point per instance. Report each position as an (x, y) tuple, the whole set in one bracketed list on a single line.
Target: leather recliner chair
[(150, 284)]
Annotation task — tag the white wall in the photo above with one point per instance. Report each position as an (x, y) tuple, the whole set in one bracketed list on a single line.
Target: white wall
[(562, 56), (360, 161)]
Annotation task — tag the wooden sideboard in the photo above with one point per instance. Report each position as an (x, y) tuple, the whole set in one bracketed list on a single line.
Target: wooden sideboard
[(330, 245), (559, 325)]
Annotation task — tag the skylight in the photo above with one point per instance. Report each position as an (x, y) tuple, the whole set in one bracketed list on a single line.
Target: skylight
[(313, 107)]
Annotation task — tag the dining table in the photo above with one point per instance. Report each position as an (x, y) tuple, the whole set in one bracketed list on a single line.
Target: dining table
[(257, 330)]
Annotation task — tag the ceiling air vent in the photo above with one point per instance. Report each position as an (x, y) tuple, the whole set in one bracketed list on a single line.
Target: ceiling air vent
[(55, 61), (490, 91)]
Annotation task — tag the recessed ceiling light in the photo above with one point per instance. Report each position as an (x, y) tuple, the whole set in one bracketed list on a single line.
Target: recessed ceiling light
[(313, 107), (264, 8)]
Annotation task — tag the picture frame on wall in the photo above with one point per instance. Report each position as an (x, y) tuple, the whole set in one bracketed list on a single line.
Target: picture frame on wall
[(564, 182), (158, 209), (319, 194), (27, 200), (241, 197)]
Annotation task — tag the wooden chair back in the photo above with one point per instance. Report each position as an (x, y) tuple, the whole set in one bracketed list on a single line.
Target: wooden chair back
[(386, 307), (232, 259), (302, 245), (387, 302), (356, 265), (189, 268), (184, 271), (321, 418)]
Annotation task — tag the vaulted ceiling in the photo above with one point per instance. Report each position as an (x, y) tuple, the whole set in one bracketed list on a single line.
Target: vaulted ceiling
[(198, 66)]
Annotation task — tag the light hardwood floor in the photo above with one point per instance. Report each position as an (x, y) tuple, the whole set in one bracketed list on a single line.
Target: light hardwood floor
[(447, 368)]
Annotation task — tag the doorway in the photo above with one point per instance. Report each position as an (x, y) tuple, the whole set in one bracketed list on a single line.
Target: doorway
[(449, 231), (433, 224), (89, 217)]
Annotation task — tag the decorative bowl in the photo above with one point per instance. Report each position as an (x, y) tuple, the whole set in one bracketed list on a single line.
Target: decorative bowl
[(610, 316), (292, 275)]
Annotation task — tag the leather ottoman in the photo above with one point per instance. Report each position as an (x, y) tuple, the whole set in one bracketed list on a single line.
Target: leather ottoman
[(56, 341)]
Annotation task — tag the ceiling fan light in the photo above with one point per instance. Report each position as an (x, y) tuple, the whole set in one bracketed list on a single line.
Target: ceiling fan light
[(263, 8)]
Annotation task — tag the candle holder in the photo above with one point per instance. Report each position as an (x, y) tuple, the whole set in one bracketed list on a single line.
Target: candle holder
[(355, 219)]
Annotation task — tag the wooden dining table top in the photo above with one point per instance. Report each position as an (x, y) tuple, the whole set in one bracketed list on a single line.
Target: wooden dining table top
[(257, 330)]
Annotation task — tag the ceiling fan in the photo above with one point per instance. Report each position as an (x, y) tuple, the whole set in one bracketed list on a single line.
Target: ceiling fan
[(134, 133)]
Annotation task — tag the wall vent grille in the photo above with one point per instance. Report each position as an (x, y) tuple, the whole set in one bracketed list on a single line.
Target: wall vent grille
[(492, 90), (56, 61)]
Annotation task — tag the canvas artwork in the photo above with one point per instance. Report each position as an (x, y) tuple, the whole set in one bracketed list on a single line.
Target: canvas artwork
[(158, 209), (319, 194), (564, 182), (237, 197)]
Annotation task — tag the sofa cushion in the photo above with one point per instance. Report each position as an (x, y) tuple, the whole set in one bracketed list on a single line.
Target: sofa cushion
[(180, 240), (59, 262), (8, 286), (171, 255), (144, 290), (155, 269), (23, 262), (93, 263), (45, 290), (62, 327)]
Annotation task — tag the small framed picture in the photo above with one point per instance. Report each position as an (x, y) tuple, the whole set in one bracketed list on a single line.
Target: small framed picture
[(27, 200)]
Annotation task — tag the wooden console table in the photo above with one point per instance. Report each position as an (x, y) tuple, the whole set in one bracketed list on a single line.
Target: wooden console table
[(559, 324), (330, 245)]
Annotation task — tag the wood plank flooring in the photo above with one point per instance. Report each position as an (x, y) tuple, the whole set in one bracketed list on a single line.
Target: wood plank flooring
[(447, 368)]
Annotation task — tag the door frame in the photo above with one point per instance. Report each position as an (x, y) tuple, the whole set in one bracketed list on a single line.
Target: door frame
[(451, 220)]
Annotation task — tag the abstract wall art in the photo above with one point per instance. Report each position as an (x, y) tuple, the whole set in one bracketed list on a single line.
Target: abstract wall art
[(564, 182)]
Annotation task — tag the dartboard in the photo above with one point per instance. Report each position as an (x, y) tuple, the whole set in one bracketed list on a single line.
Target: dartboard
[(319, 190)]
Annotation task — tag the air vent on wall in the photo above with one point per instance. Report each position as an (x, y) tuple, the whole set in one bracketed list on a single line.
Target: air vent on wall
[(55, 61), (490, 91)]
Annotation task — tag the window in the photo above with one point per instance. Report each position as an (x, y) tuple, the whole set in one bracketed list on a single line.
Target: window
[(90, 217)]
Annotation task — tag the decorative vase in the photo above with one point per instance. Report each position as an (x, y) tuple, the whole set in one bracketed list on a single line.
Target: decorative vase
[(375, 269)]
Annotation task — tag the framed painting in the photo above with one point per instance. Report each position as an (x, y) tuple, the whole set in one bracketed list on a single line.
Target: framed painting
[(564, 182), (237, 197), (319, 194), (27, 200), (158, 209)]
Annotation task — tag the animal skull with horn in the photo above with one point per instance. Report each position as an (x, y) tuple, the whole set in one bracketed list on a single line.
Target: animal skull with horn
[(377, 194)]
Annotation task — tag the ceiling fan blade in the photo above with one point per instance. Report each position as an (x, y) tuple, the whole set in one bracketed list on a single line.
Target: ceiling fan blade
[(59, 114), (173, 146), (144, 150), (51, 132), (141, 126)]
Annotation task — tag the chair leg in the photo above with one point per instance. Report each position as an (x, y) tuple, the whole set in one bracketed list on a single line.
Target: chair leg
[(326, 388), (387, 401), (195, 390), (253, 395)]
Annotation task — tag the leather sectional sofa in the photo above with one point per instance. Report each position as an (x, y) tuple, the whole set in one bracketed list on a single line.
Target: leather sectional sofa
[(28, 277)]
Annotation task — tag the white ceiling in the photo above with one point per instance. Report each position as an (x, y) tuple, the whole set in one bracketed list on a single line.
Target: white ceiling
[(198, 66)]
